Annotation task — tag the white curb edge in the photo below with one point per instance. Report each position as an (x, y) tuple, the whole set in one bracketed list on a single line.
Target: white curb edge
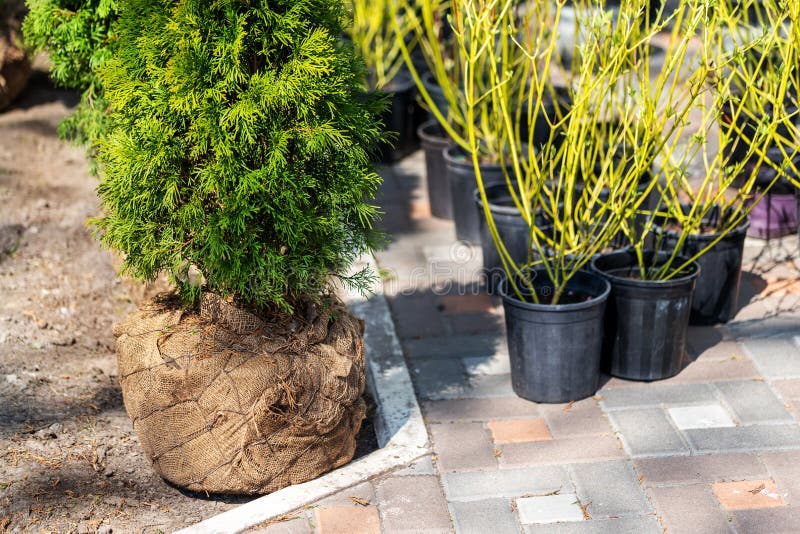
[(400, 429)]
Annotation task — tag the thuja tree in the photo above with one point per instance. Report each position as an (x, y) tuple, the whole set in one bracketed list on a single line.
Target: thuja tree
[(76, 34), (239, 145)]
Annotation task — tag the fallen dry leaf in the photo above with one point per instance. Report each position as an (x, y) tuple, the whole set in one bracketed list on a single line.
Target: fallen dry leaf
[(584, 508), (598, 398), (548, 494), (757, 489), (498, 453), (359, 501), (568, 405)]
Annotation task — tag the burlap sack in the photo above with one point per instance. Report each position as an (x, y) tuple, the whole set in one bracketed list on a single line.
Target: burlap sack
[(225, 402)]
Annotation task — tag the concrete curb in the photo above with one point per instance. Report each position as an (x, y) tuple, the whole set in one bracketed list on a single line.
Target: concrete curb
[(399, 426)]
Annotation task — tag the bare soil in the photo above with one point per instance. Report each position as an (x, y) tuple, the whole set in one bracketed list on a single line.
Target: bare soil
[(69, 459)]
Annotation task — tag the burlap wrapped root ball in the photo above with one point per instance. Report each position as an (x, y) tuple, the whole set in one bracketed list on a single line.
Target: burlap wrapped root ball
[(225, 402)]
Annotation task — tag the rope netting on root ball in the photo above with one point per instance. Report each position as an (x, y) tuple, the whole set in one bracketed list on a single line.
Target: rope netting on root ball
[(225, 401)]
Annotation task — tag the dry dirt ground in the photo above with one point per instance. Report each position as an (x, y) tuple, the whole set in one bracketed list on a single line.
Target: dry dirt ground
[(69, 460)]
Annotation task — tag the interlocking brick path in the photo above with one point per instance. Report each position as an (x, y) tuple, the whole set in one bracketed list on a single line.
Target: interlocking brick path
[(714, 449)]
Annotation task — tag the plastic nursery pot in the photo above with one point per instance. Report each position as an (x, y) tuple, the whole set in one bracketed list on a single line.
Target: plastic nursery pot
[(548, 114), (400, 118), (436, 93), (434, 141), (512, 229), (555, 350), (717, 293), (647, 320), (462, 180)]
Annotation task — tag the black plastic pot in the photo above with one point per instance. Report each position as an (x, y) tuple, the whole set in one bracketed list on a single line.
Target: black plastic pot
[(436, 93), (717, 292), (401, 118), (434, 141), (512, 229), (462, 180), (647, 320), (555, 350), (549, 113)]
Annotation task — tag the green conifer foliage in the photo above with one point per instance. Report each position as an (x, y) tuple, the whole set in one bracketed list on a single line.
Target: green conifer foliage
[(239, 142), (77, 35)]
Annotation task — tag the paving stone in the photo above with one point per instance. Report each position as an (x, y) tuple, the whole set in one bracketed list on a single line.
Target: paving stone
[(478, 409), (788, 389), (610, 488), (364, 491), (690, 509), (416, 315), (462, 446), (719, 352), (489, 386), (439, 379), (519, 430), (697, 469), (475, 323), (584, 418), (647, 432), (481, 517), (348, 520), (497, 364), (785, 470), (475, 485), (561, 451), (716, 370), (460, 304), (413, 504), (700, 338), (771, 327), (423, 466), (480, 346), (653, 395), (704, 416), (744, 438), (549, 509), (777, 358), (754, 402), (622, 525), (299, 525), (747, 494), (768, 521)]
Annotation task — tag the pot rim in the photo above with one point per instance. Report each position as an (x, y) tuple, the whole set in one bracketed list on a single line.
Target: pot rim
[(450, 156), (736, 232), (557, 308), (423, 132), (648, 284)]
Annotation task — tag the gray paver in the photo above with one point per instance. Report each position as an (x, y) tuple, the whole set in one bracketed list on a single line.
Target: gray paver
[(583, 418), (648, 433), (768, 521), (623, 525), (497, 364), (549, 509), (489, 386), (413, 504), (477, 485), (702, 416), (479, 517), (439, 379), (479, 346), (652, 395), (561, 451), (462, 446), (785, 470), (300, 525), (479, 409), (706, 468), (610, 488), (754, 402), (744, 438), (691, 509), (776, 358)]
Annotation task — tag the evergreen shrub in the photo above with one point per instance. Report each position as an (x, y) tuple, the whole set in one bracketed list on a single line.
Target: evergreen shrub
[(77, 35), (239, 144)]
